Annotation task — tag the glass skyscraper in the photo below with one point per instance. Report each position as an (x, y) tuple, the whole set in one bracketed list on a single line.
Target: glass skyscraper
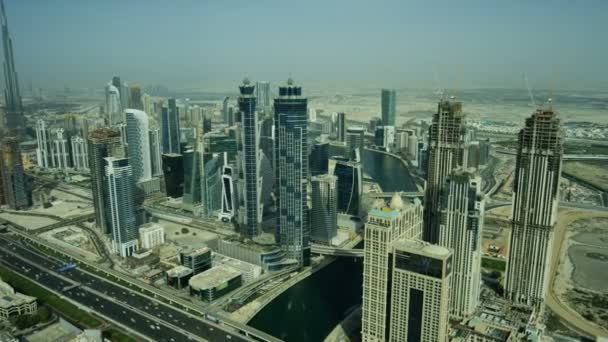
[(388, 107), (291, 161), (121, 205), (13, 109), (170, 128), (250, 160)]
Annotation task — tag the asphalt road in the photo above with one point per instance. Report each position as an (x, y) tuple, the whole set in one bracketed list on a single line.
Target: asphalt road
[(138, 312)]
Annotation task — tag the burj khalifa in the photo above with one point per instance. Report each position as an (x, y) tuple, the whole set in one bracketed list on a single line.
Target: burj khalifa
[(13, 109)]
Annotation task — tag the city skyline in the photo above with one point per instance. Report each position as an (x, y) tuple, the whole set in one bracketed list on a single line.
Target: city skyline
[(142, 209)]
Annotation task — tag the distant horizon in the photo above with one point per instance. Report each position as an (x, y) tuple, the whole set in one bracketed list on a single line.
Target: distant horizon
[(343, 44)]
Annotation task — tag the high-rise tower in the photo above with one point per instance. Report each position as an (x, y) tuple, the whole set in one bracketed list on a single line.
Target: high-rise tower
[(15, 186), (13, 110), (103, 143), (447, 151), (43, 149), (250, 161), (388, 97), (121, 205), (384, 226), (291, 169), (324, 211), (341, 127), (138, 144), (535, 199), (170, 128), (113, 106), (462, 208), (420, 291)]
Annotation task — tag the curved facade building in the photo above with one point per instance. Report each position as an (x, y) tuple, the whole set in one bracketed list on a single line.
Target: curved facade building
[(113, 107), (138, 144)]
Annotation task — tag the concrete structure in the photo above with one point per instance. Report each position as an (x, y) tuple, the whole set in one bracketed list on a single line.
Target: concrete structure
[(388, 102), (155, 152), (291, 169), (15, 185), (61, 151), (178, 277), (461, 224), (447, 151), (151, 235), (13, 107), (170, 132), (324, 211), (43, 149), (198, 260), (384, 226), (113, 105), (269, 257), (121, 205), (80, 154), (538, 168), (138, 144), (214, 283), (13, 303), (102, 143), (249, 272), (250, 156), (420, 291)]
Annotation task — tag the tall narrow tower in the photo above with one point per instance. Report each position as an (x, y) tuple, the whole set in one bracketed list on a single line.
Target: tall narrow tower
[(102, 143), (13, 117), (462, 208), (388, 98), (291, 161), (138, 144), (14, 181), (121, 205), (250, 161), (535, 199), (384, 226), (447, 151)]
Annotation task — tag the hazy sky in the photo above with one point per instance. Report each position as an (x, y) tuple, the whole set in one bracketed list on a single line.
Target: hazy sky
[(212, 44)]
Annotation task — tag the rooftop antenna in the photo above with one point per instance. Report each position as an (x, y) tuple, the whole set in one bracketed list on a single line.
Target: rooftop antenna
[(438, 91), (532, 101)]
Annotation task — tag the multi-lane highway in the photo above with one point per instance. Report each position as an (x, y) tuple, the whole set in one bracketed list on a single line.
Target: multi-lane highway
[(150, 318)]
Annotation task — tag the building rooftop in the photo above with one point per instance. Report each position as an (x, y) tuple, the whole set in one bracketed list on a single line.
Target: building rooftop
[(179, 271), (384, 212), (422, 248), (9, 298), (213, 277)]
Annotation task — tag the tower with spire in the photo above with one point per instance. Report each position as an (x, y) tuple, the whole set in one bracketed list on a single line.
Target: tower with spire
[(13, 107)]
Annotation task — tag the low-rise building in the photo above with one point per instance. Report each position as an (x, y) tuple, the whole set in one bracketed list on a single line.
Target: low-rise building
[(178, 277), (151, 235), (269, 257), (215, 283), (249, 271), (199, 259), (13, 303)]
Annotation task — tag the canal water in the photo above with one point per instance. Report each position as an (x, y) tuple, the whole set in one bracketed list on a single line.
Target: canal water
[(308, 311)]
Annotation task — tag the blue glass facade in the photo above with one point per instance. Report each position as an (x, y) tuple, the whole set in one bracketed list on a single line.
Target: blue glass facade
[(291, 161)]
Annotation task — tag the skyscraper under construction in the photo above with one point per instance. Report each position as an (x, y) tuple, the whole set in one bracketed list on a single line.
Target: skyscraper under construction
[(447, 151), (535, 200)]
